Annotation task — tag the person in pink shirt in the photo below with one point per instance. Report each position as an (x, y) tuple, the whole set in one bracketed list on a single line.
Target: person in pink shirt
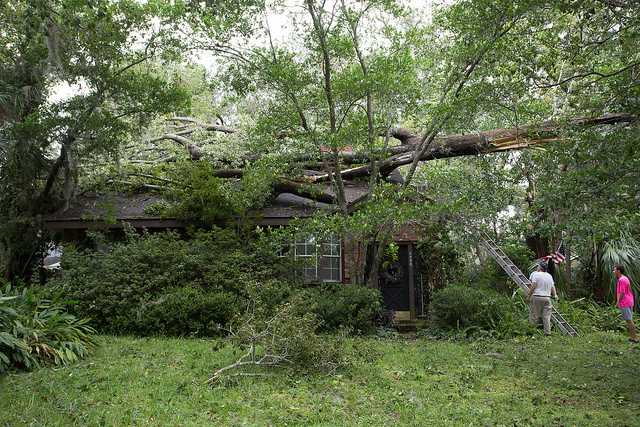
[(625, 301)]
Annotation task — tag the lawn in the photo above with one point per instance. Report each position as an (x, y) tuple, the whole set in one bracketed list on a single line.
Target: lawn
[(591, 380)]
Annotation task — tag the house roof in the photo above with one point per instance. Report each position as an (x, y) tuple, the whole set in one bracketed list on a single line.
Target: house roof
[(91, 209)]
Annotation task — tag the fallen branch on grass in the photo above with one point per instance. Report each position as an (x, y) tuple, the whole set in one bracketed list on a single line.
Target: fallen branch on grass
[(283, 338)]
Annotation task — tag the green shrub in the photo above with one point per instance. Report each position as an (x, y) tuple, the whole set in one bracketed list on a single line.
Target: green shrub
[(35, 331), (345, 307), (588, 315), (187, 310), (490, 275), (161, 283), (462, 306)]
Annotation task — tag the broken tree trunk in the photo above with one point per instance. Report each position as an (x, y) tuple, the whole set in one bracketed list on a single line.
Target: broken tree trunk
[(527, 137), (502, 139)]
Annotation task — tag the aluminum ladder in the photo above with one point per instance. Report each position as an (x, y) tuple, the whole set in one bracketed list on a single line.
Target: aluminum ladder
[(520, 279)]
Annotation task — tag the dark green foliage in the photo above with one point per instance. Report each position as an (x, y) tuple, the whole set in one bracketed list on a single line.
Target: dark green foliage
[(189, 309), (352, 308), (463, 306), (467, 311), (490, 275), (35, 331), (587, 315), (161, 283), (439, 261)]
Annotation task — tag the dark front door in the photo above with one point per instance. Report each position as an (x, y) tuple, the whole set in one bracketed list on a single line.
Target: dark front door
[(394, 280)]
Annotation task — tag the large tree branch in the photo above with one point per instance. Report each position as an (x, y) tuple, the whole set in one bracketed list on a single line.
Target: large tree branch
[(206, 126), (502, 139), (529, 136), (303, 190), (284, 185)]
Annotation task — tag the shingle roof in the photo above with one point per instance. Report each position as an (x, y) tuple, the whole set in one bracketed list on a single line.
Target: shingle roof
[(91, 209), (90, 205)]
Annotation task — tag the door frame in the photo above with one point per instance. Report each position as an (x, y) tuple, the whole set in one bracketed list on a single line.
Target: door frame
[(410, 282)]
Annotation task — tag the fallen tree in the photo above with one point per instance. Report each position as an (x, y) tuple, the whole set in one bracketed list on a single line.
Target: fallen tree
[(323, 176), (533, 136)]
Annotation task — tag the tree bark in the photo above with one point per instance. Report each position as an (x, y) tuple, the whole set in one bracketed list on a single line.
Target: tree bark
[(502, 139)]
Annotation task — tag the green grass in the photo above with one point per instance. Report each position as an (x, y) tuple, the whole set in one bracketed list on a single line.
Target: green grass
[(591, 380)]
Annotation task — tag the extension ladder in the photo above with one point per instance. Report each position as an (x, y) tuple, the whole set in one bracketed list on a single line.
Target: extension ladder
[(520, 279)]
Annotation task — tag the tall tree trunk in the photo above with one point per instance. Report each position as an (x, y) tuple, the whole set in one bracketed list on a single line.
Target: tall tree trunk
[(379, 249), (351, 246), (567, 254)]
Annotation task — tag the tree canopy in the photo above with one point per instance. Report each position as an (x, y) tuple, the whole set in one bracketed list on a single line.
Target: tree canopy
[(108, 54)]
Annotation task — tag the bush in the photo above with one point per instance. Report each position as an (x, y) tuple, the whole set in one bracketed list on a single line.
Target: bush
[(161, 283), (35, 331), (588, 315), (186, 310), (345, 307), (461, 306), (490, 275)]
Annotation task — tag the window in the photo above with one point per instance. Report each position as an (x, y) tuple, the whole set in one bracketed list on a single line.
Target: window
[(285, 251), (332, 260), (323, 262), (306, 250)]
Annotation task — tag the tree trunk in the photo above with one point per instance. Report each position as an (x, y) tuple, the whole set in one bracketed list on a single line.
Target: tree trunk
[(356, 277), (567, 254), (538, 245), (502, 139)]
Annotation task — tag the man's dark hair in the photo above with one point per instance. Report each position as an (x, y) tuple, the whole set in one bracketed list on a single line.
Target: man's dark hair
[(620, 268)]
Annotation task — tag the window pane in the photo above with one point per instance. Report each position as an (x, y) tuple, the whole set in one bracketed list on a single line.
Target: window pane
[(330, 249), (332, 260), (285, 251), (331, 269), (306, 250)]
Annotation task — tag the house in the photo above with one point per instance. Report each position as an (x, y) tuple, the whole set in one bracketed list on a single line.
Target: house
[(400, 280)]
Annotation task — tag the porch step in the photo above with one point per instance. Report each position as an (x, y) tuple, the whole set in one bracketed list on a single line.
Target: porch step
[(409, 325)]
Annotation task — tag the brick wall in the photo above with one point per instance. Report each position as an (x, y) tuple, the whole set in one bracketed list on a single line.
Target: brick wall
[(407, 233), (403, 234)]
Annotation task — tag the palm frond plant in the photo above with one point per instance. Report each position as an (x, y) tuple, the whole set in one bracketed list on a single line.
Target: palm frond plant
[(625, 250)]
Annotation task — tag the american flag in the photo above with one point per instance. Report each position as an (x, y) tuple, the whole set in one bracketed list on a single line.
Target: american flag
[(556, 257)]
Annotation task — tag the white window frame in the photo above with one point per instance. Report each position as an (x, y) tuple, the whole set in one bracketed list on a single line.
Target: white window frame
[(324, 259), (307, 249), (332, 260)]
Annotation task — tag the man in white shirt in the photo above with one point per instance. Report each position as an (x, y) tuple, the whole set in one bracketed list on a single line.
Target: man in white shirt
[(542, 287)]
